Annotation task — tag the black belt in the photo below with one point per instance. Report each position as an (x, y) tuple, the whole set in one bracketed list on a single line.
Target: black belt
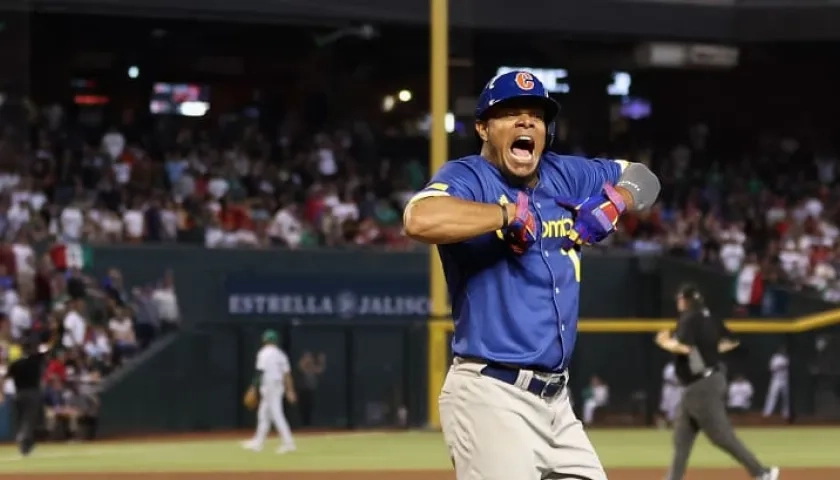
[(706, 374), (541, 388)]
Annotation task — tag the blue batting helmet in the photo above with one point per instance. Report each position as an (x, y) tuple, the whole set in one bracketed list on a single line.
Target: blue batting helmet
[(518, 84)]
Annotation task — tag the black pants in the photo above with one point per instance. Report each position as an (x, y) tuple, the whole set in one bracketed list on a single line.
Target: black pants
[(145, 334), (28, 406), (306, 403), (703, 408)]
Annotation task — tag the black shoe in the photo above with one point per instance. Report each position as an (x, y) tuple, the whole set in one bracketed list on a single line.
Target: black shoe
[(26, 446)]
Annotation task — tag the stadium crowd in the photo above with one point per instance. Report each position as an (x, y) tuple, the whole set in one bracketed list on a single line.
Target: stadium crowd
[(53, 204), (765, 213), (90, 326)]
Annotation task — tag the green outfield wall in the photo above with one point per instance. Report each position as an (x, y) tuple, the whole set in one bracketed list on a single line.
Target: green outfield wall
[(367, 312)]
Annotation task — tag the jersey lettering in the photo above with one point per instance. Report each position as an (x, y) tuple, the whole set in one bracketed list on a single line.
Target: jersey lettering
[(573, 257), (486, 305), (557, 228)]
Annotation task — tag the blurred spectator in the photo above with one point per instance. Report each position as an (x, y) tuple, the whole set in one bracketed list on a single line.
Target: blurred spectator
[(71, 222), (61, 415), (148, 322), (113, 142), (75, 324), (285, 228), (21, 319), (732, 250), (114, 288), (135, 223), (166, 304), (98, 344), (25, 263), (56, 368), (122, 331)]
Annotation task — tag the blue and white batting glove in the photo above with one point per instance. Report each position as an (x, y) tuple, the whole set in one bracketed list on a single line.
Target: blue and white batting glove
[(595, 218)]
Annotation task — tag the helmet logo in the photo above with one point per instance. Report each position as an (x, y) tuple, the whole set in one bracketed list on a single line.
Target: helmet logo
[(525, 81)]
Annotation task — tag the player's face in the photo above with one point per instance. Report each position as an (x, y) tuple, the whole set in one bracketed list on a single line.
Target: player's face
[(515, 136), (681, 304)]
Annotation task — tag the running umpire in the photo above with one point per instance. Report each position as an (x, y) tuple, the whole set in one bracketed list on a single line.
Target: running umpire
[(698, 343), (26, 373)]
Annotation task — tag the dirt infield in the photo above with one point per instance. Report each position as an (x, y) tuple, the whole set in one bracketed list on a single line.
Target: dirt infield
[(615, 474)]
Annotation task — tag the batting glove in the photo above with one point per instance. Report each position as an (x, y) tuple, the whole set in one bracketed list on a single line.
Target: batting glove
[(595, 218), (521, 232)]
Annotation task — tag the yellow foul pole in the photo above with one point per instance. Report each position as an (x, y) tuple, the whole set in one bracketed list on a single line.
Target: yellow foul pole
[(439, 67)]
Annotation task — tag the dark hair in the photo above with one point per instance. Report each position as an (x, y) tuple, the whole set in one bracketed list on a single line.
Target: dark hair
[(691, 294)]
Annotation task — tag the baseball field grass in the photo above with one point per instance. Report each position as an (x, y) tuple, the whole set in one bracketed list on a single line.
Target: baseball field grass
[(805, 453)]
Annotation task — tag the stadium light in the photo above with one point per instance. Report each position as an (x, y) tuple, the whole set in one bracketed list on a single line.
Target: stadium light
[(133, 71), (449, 122), (404, 95), (388, 103)]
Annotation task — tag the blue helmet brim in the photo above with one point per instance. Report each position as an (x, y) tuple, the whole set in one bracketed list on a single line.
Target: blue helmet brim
[(551, 107)]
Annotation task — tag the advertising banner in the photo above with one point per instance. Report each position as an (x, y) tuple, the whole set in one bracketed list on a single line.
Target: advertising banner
[(318, 296)]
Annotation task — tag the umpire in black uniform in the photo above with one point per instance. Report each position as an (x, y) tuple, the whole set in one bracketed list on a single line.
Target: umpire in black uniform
[(699, 341), (28, 400)]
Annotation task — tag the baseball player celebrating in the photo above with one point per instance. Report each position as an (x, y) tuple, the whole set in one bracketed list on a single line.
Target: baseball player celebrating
[(509, 224), (273, 379)]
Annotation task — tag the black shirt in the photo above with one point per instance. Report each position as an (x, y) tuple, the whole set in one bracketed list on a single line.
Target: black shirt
[(26, 372), (701, 331)]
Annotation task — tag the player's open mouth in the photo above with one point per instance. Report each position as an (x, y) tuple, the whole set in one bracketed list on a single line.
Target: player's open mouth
[(523, 148)]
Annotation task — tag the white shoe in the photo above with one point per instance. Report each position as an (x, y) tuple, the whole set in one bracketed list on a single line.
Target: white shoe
[(286, 449), (251, 445), (772, 474)]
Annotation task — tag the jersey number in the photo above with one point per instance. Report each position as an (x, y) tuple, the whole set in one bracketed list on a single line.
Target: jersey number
[(575, 259)]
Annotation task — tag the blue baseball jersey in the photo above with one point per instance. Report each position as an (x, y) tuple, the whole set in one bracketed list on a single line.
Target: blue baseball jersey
[(518, 309)]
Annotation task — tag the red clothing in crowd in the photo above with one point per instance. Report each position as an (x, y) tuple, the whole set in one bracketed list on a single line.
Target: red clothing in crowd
[(234, 217), (314, 208), (56, 368), (7, 260)]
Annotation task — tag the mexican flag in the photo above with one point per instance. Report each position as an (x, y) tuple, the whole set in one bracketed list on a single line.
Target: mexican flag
[(71, 255), (749, 286)]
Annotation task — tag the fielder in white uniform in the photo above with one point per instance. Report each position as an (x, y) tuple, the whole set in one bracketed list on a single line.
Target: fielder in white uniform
[(274, 378), (671, 392), (779, 365)]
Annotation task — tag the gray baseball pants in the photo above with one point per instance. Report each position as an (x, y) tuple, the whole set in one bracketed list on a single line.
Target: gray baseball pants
[(703, 409)]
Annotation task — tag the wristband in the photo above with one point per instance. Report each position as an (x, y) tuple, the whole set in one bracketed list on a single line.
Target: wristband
[(505, 220)]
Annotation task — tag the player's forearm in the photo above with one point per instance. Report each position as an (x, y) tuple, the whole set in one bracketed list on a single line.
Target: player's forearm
[(627, 197), (443, 220), (674, 346), (638, 186), (725, 346)]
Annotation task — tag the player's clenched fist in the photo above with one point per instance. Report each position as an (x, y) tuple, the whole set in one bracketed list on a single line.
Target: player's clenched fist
[(595, 218), (521, 230)]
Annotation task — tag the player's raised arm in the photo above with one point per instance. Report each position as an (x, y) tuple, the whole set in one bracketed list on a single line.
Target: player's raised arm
[(636, 184), (445, 211), (604, 190), (442, 220)]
